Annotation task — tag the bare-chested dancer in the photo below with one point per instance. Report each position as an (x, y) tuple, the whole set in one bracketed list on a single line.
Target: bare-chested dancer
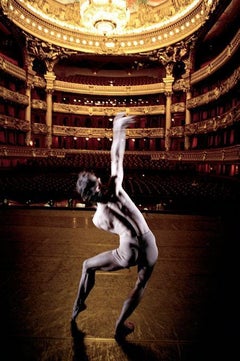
[(117, 213)]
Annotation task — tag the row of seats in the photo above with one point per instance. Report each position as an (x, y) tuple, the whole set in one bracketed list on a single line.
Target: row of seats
[(178, 189), (106, 81), (97, 161)]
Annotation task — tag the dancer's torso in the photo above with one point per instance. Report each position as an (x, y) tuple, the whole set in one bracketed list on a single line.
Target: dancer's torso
[(120, 217)]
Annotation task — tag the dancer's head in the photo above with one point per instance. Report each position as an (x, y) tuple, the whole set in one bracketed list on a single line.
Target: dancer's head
[(88, 185)]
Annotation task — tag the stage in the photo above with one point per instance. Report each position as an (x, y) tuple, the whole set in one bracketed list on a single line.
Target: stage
[(187, 313)]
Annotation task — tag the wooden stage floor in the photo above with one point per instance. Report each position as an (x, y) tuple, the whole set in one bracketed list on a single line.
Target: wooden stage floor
[(188, 312)]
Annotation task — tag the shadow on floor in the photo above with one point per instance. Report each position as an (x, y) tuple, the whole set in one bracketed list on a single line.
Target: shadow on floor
[(79, 348)]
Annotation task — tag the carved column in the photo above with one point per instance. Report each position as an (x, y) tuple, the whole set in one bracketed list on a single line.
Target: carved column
[(168, 81), (28, 109), (187, 120), (29, 84), (50, 77), (187, 87), (28, 137), (50, 54)]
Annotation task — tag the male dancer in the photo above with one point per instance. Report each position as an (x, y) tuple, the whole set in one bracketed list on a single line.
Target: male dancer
[(117, 213)]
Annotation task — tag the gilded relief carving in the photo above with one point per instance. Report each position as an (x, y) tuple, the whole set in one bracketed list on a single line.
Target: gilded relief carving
[(12, 69), (56, 10), (48, 52), (13, 96), (178, 107), (39, 104), (102, 133), (81, 109), (214, 123), (151, 23), (38, 128), (216, 93), (14, 123), (142, 13)]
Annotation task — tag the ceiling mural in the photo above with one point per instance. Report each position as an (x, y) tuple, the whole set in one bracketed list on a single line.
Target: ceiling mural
[(110, 26), (140, 15)]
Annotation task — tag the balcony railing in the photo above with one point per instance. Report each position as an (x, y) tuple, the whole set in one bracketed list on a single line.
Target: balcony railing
[(225, 154)]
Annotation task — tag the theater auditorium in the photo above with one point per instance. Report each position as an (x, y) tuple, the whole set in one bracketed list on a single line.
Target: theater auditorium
[(67, 68)]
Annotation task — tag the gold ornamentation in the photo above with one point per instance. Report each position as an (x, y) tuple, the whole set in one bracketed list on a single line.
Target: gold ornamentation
[(39, 128), (46, 51), (53, 22), (39, 104), (12, 69), (14, 96), (217, 92), (14, 123), (104, 16), (102, 133)]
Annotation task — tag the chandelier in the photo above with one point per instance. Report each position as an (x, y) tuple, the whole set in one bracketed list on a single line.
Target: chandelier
[(104, 16)]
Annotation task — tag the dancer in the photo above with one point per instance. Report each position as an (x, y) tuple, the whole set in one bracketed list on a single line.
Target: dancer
[(117, 213)]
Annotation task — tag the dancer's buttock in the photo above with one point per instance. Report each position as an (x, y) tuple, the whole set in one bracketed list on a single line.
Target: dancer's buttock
[(140, 250)]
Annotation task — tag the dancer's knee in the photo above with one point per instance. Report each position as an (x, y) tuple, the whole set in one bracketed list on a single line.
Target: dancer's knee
[(86, 266), (141, 282), (143, 277)]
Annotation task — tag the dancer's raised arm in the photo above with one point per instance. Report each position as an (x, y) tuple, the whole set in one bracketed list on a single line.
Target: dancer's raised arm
[(120, 123), (117, 213)]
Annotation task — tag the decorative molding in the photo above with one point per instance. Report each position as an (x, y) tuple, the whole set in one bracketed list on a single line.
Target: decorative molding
[(76, 88), (39, 128), (106, 133), (13, 96), (215, 123), (161, 28), (81, 132), (182, 85), (207, 126), (50, 78), (39, 82), (214, 94), (12, 69), (14, 123), (30, 152), (48, 52), (227, 154), (218, 62), (178, 107), (39, 104), (176, 53), (109, 111), (176, 132)]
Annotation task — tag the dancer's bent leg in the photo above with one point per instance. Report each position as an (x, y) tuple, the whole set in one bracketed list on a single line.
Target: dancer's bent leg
[(124, 328), (104, 262)]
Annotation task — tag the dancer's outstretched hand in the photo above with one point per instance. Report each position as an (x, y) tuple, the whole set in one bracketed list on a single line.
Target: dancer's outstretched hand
[(122, 121)]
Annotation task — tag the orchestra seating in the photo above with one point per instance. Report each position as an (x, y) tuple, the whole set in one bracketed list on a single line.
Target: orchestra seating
[(105, 81), (150, 183)]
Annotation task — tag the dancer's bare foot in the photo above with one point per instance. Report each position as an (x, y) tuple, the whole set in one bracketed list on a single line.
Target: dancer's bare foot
[(76, 310), (122, 331)]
